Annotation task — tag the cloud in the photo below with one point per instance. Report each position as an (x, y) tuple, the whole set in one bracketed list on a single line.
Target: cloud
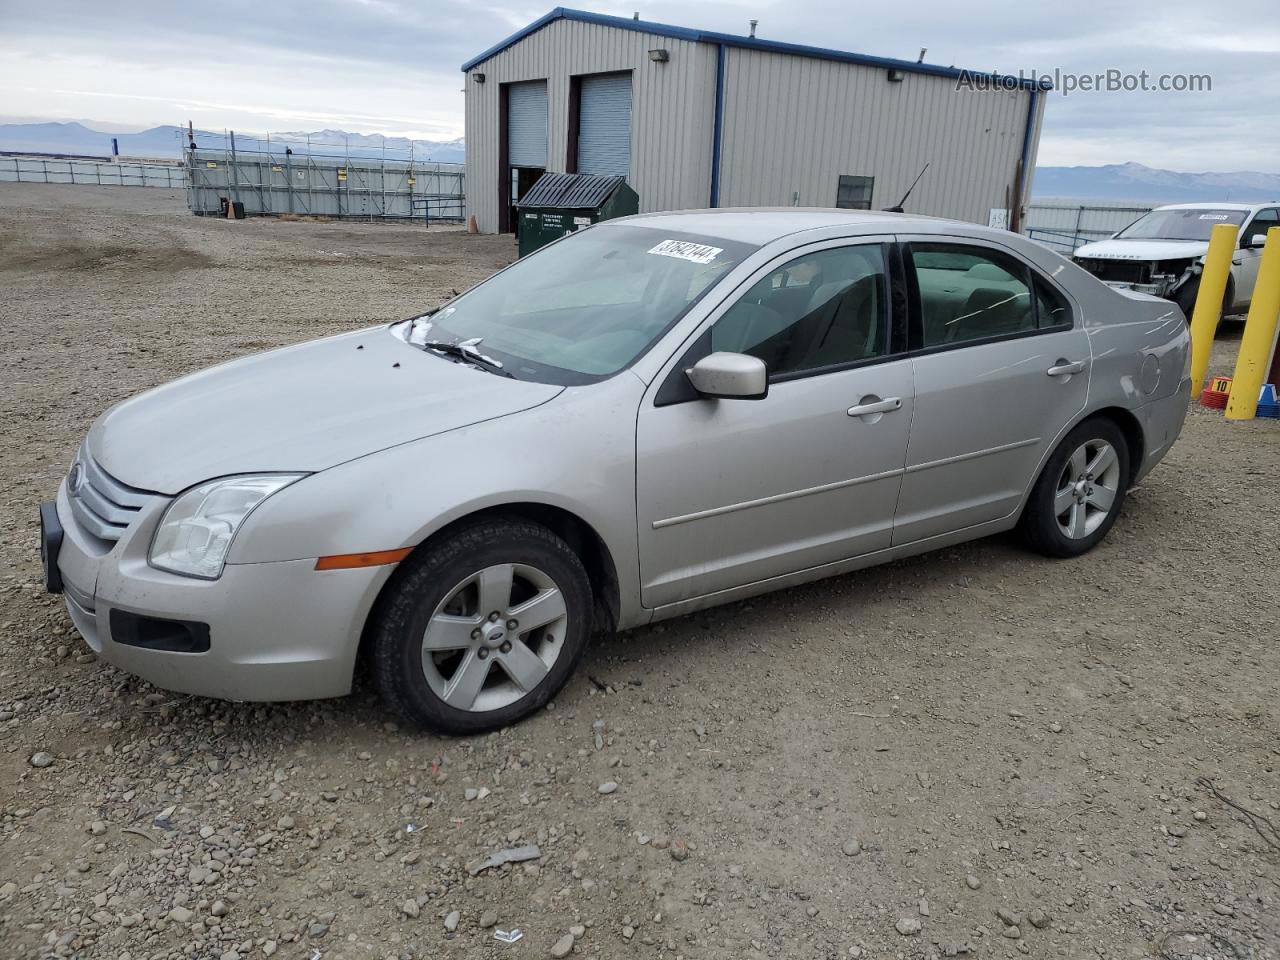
[(391, 66)]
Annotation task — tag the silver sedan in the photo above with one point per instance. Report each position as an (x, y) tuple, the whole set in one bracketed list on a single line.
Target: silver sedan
[(649, 417)]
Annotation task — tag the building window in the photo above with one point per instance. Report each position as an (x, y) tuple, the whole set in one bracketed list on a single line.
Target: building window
[(854, 193)]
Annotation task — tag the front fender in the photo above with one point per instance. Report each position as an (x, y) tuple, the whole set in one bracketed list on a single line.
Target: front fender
[(576, 452)]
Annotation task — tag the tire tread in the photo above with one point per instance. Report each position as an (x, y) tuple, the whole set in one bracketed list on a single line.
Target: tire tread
[(1038, 526), (417, 576)]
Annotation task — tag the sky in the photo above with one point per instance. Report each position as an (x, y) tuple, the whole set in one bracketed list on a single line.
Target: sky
[(391, 66)]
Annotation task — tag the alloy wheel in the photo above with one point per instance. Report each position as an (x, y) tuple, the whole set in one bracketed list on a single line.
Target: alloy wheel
[(1087, 489), (494, 637)]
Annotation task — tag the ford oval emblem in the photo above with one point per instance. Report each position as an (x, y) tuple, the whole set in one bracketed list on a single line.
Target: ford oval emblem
[(75, 479)]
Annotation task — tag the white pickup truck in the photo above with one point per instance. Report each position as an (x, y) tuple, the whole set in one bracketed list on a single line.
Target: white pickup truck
[(1162, 252)]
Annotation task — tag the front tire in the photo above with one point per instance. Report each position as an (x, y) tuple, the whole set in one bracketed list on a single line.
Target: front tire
[(1186, 298), (481, 628), (1079, 493)]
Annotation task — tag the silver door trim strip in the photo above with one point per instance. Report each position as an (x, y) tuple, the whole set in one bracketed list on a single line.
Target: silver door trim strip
[(776, 498), (959, 458)]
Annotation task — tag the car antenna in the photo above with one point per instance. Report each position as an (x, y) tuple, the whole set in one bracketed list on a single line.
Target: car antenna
[(898, 208)]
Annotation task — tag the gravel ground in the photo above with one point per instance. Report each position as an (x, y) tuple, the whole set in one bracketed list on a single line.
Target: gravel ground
[(976, 752)]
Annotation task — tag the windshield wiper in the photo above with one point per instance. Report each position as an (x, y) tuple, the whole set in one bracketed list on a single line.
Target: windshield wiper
[(467, 350)]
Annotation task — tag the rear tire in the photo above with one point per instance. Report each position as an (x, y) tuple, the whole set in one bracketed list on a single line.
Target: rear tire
[(449, 650), (1080, 492)]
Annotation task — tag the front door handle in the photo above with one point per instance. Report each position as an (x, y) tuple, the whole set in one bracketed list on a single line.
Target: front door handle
[(869, 406), (1064, 367)]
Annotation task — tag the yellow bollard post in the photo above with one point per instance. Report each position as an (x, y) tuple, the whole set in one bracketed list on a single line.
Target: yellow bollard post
[(1259, 334), (1208, 309)]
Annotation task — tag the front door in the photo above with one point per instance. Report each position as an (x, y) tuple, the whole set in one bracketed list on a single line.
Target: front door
[(1001, 367), (731, 492), (1247, 257)]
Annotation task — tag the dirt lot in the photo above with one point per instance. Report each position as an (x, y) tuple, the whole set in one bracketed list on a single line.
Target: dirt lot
[(914, 748)]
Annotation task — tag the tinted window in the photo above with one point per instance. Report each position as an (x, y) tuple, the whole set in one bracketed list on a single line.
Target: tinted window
[(819, 310), (1258, 227), (854, 193), (970, 293)]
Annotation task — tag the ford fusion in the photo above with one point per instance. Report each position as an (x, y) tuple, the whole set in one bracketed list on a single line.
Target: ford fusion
[(649, 417)]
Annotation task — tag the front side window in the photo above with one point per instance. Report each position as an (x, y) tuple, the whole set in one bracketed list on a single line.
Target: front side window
[(1186, 223), (970, 293), (819, 310), (1264, 221), (587, 306)]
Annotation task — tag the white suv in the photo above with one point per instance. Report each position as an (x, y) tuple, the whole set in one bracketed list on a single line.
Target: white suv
[(1162, 252)]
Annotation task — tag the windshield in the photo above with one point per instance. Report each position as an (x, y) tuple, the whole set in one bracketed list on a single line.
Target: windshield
[(1185, 224), (584, 308)]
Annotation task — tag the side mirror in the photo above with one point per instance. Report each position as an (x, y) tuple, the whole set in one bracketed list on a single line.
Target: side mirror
[(1256, 241), (730, 376)]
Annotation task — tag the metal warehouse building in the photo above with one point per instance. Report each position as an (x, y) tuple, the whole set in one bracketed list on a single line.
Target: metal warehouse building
[(695, 119)]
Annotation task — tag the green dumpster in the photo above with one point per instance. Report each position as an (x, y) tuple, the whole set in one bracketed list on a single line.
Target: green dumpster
[(561, 203)]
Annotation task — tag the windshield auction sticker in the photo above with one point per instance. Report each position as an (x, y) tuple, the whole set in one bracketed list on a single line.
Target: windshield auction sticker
[(684, 250)]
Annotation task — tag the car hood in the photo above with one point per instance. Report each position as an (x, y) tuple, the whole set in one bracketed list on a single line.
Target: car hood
[(298, 409), (1143, 249)]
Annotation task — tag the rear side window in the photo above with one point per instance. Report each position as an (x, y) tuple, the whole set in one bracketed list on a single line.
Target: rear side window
[(971, 293)]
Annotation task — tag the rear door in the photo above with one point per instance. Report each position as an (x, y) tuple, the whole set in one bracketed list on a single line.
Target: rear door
[(1001, 367)]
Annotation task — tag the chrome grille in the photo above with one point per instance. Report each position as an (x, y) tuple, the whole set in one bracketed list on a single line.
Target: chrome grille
[(103, 505)]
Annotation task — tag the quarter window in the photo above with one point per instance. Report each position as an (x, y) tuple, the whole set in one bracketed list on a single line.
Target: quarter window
[(819, 310), (971, 293), (1051, 306)]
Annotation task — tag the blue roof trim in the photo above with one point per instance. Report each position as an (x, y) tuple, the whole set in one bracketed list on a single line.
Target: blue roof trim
[(732, 40)]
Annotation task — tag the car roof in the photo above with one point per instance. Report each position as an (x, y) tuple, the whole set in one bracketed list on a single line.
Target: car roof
[(1218, 206), (762, 225)]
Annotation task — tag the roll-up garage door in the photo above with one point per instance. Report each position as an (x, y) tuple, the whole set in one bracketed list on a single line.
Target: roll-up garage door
[(527, 124), (604, 125)]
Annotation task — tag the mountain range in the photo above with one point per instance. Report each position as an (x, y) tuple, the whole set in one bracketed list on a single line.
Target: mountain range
[(1113, 183), (167, 142), (1134, 183)]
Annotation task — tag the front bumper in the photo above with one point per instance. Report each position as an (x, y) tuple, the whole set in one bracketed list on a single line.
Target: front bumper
[(276, 631), (1161, 289)]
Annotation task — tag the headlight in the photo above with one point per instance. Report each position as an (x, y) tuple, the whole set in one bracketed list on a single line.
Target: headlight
[(196, 530)]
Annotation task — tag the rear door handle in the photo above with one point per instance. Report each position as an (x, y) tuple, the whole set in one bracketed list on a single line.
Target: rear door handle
[(1063, 367), (877, 406)]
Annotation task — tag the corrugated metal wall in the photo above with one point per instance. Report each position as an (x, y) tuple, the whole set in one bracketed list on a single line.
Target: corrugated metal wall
[(672, 110), (793, 124)]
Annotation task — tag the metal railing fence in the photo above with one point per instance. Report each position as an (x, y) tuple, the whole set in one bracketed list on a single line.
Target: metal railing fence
[(1065, 225), (112, 173)]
